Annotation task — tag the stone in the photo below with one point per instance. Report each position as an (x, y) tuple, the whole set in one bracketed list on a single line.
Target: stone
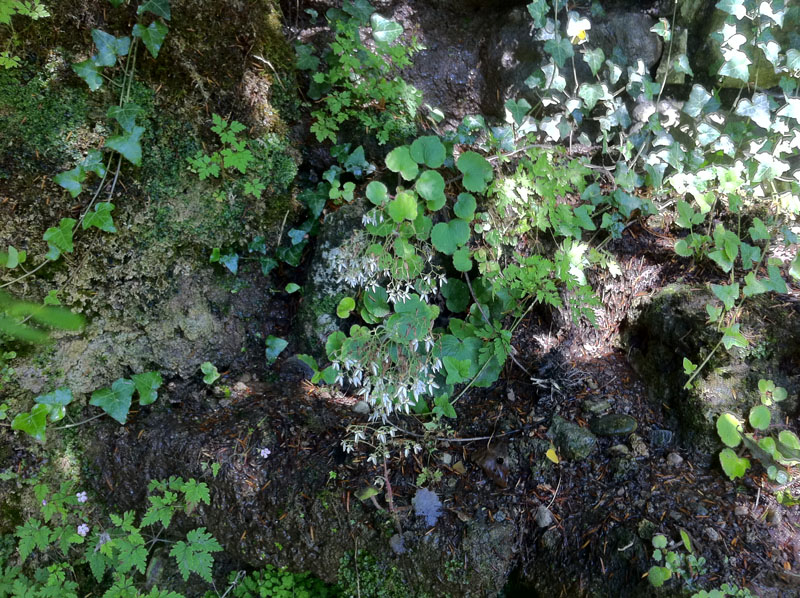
[(619, 450), (396, 544), (447, 458), (639, 446), (674, 459), (596, 407), (741, 510), (613, 424), (712, 534), (573, 442), (543, 517), (362, 408), (660, 438)]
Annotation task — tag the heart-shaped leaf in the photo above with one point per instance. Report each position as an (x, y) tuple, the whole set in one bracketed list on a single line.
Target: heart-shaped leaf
[(125, 115), (760, 417), (465, 206), (476, 169), (89, 72), (428, 150), (128, 145), (400, 160), (115, 401), (101, 217), (160, 8), (71, 180), (274, 347), (732, 465), (60, 237), (152, 36), (346, 305), (147, 385), (109, 47), (430, 186), (756, 110), (403, 207), (33, 423), (384, 31), (448, 236)]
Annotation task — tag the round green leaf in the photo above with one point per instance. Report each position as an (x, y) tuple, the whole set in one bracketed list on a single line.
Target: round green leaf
[(789, 439), (334, 344), (659, 541), (403, 207), (377, 193), (400, 160), (476, 169), (658, 575), (274, 347), (682, 248), (33, 423), (345, 306), (465, 206), (732, 465), (430, 186), (779, 394), (428, 150), (448, 236), (457, 295), (760, 417), (461, 260), (729, 429)]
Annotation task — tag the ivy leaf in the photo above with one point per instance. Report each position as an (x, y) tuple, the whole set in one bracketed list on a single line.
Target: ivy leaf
[(681, 65), (128, 145), (147, 385), (71, 180), (160, 8), (448, 236), (538, 10), (109, 47), (594, 58), (403, 207), (230, 261), (428, 150), (400, 160), (465, 206), (736, 66), (430, 186), (57, 402), (101, 217), (153, 36), (590, 94), (125, 115), (732, 7), (728, 294), (93, 162), (757, 110), (384, 31), (732, 337), (698, 98), (274, 347), (115, 401), (560, 50), (476, 169), (791, 109), (89, 72), (33, 423), (706, 134), (732, 465), (753, 286), (377, 193), (194, 555), (519, 109), (59, 238)]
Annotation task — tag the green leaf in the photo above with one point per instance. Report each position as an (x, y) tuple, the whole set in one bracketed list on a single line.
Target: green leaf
[(60, 237), (559, 49), (428, 150), (519, 109), (230, 261), (760, 417), (274, 347), (210, 372), (376, 302), (292, 287), (729, 429), (32, 535), (125, 115), (736, 66), (465, 206), (687, 542), (457, 295), (152, 36), (594, 58), (101, 217), (443, 407), (732, 7), (346, 305), (400, 160), (732, 465), (728, 294), (732, 337), (476, 169), (458, 370), (33, 423), (753, 286), (377, 193), (430, 186), (194, 555), (538, 10), (71, 180), (93, 162), (384, 31), (115, 401), (61, 397), (757, 110), (759, 232), (147, 385), (448, 236), (682, 248), (160, 8), (681, 65), (128, 145), (109, 47), (461, 260), (698, 98), (688, 367), (306, 61), (89, 72), (659, 541), (403, 206), (590, 94), (658, 575)]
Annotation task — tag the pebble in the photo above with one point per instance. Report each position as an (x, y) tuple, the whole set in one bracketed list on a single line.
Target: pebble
[(361, 407), (447, 458), (660, 438), (499, 516), (741, 510), (701, 511), (396, 542), (712, 534), (596, 407), (613, 424), (639, 447), (674, 459), (543, 518), (619, 450)]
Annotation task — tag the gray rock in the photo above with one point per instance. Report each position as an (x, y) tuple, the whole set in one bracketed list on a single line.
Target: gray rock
[(396, 544), (573, 442), (613, 424), (674, 459), (362, 407), (660, 438), (619, 450), (543, 517), (712, 534), (741, 510), (596, 407)]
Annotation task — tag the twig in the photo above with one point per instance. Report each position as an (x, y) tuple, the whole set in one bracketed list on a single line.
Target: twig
[(552, 500)]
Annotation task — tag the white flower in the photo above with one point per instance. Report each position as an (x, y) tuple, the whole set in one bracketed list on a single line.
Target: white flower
[(83, 529), (82, 497), (265, 452)]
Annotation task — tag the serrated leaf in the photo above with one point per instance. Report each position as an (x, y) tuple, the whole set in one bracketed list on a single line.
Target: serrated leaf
[(153, 36), (125, 115), (147, 385), (384, 31), (128, 145), (306, 61), (71, 180), (160, 8), (89, 72), (194, 555), (476, 169), (430, 186), (101, 217), (115, 401), (400, 160)]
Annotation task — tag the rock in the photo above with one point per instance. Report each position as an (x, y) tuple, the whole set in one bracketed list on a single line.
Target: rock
[(596, 407), (741, 510), (660, 438), (613, 424), (573, 442), (447, 458), (397, 545), (639, 446), (674, 459), (362, 408), (543, 517), (629, 31), (619, 450), (712, 534)]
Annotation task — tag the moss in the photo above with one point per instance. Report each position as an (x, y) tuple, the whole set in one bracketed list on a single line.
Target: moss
[(368, 578)]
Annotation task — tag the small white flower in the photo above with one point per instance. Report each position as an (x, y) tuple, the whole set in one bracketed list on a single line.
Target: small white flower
[(83, 529), (265, 452), (82, 497)]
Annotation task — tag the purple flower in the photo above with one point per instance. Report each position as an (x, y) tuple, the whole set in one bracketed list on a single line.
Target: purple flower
[(82, 497), (83, 529), (265, 452), (44, 502)]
